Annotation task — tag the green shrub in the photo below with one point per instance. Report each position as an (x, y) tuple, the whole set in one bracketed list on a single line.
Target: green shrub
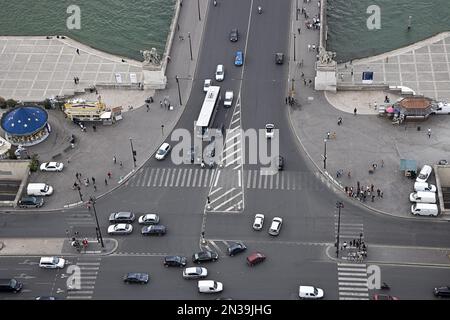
[(11, 103), (34, 164), (2, 103)]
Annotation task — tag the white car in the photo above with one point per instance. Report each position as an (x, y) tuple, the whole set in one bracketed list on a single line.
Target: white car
[(52, 263), (52, 166), (149, 218), (275, 227), (310, 292), (259, 221), (120, 228), (207, 84), (424, 174), (195, 273), (220, 72), (228, 101), (163, 151), (209, 286), (270, 128)]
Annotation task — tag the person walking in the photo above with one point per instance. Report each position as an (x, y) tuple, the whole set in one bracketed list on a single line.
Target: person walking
[(78, 51), (94, 127), (429, 133), (355, 111), (378, 192), (95, 187), (114, 159), (109, 175), (121, 164), (93, 180), (148, 107), (106, 182), (160, 103)]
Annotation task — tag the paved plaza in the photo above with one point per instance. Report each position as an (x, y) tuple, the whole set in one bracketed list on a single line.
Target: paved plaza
[(35, 68), (424, 67)]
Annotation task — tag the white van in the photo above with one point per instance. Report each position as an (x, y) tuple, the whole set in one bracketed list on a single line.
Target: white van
[(442, 108), (423, 197), (39, 189), (209, 286), (424, 209), (424, 186)]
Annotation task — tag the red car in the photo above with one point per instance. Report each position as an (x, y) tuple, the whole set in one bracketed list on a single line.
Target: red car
[(255, 258), (384, 297)]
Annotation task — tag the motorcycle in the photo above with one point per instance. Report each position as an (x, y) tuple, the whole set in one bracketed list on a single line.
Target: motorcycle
[(385, 286)]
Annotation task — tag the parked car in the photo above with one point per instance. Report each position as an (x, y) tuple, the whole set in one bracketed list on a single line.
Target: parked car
[(269, 130), (384, 297), (175, 261), (31, 202), (163, 151), (149, 218), (236, 248), (234, 35), (205, 256), (220, 72), (195, 273), (443, 162), (52, 166), (258, 222), (209, 286), (310, 292), (52, 263), (279, 58), (425, 209), (39, 189), (10, 285), (136, 277), (255, 258), (442, 291), (424, 174), (120, 228), (228, 101), (275, 227), (239, 58), (207, 84), (155, 229), (442, 108), (121, 217)]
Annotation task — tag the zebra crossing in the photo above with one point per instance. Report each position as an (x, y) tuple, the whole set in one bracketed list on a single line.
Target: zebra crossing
[(350, 229), (80, 219), (219, 246), (352, 281), (89, 268)]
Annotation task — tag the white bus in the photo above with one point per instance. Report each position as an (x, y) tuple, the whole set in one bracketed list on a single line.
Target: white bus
[(206, 116)]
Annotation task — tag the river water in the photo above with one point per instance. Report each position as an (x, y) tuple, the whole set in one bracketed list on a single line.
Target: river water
[(124, 27)]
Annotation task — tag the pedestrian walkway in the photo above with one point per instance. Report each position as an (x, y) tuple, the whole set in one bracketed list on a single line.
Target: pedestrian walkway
[(352, 281), (89, 269)]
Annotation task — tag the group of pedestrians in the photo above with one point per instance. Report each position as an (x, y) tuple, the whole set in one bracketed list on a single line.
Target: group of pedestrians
[(364, 193)]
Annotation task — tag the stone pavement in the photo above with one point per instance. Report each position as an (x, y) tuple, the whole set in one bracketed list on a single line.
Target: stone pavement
[(361, 140), (52, 247), (35, 68), (423, 67), (94, 151)]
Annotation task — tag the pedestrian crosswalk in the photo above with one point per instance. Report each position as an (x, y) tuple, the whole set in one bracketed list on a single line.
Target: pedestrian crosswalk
[(89, 268), (80, 219), (219, 246), (350, 228), (352, 281)]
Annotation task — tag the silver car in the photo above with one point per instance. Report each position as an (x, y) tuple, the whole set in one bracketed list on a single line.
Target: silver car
[(120, 228), (195, 273), (149, 218), (275, 227)]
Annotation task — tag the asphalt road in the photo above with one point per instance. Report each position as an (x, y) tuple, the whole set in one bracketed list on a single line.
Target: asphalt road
[(296, 256)]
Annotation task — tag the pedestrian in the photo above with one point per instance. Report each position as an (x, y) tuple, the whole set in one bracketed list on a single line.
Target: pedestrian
[(106, 182), (123, 60), (309, 47), (87, 180), (339, 121), (310, 82), (354, 111), (378, 192), (286, 100), (304, 82), (95, 187), (94, 127), (429, 133), (114, 159), (77, 176), (160, 103), (96, 92), (78, 51), (346, 189), (298, 29), (381, 194), (374, 166), (75, 185), (168, 59), (351, 73), (301, 63), (345, 245), (382, 163), (328, 135), (148, 107), (349, 174), (109, 175), (93, 180), (371, 187), (121, 164), (75, 80), (303, 75)]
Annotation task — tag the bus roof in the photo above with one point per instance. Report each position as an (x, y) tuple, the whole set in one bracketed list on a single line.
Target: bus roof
[(208, 106)]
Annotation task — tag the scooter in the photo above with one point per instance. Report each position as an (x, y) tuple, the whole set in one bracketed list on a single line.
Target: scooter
[(385, 286)]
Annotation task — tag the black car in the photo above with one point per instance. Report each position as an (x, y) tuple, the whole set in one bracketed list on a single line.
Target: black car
[(175, 261), (279, 58), (234, 35), (236, 248), (442, 292), (136, 277), (31, 202), (205, 256), (280, 163), (156, 230), (121, 217)]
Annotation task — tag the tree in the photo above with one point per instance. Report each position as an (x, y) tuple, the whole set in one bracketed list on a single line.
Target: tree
[(34, 164), (47, 104), (11, 103), (2, 103)]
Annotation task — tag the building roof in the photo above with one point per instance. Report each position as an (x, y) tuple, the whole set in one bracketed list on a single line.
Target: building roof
[(415, 103), (24, 120)]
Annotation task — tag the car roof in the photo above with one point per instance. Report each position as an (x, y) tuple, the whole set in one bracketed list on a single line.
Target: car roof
[(47, 259), (123, 213), (207, 283), (306, 289)]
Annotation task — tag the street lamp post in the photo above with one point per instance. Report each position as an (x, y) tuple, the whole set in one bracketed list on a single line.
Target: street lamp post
[(179, 92), (198, 6), (409, 22), (294, 45), (133, 152), (190, 44), (325, 154), (339, 205), (98, 231)]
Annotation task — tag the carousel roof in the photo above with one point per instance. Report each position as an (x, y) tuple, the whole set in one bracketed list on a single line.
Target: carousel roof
[(24, 120)]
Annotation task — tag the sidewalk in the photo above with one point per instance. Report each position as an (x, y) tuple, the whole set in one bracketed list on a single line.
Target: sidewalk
[(94, 151), (52, 247), (362, 140)]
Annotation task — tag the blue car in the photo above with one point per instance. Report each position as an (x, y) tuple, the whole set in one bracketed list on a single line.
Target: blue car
[(239, 59)]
